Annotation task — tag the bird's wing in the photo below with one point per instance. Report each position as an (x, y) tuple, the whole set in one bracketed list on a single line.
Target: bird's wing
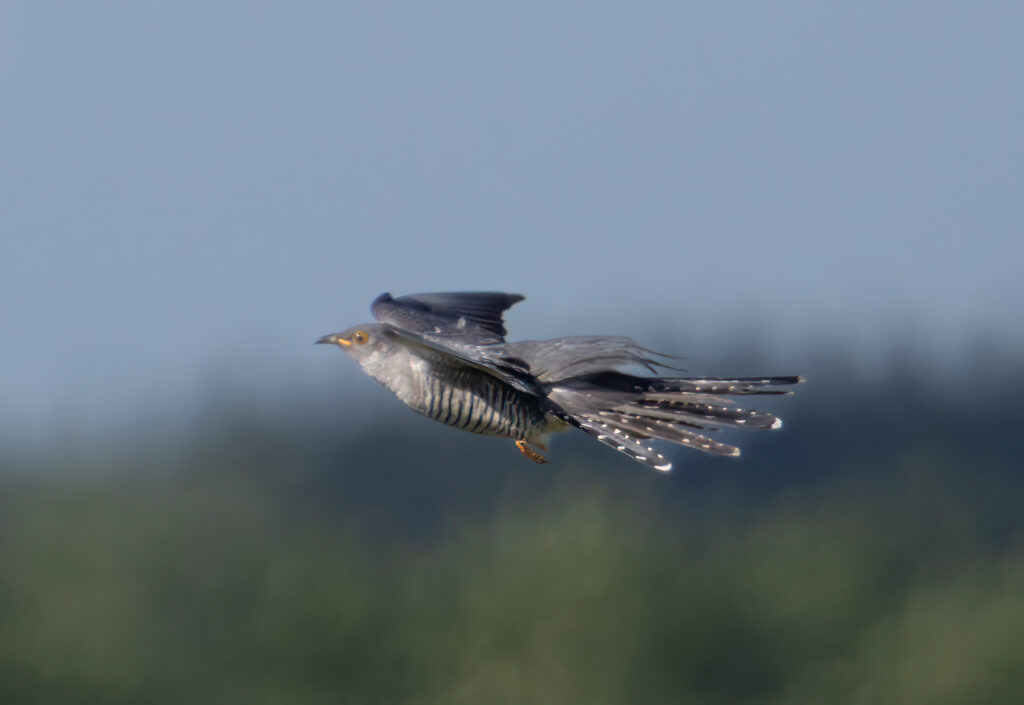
[(490, 359), (469, 317), (560, 358)]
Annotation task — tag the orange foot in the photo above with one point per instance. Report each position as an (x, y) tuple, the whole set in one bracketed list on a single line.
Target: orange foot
[(531, 453)]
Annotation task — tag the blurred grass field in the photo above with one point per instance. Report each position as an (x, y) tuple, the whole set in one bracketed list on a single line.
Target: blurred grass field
[(267, 562)]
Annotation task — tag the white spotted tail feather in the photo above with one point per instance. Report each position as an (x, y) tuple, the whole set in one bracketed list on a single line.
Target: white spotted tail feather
[(623, 441)]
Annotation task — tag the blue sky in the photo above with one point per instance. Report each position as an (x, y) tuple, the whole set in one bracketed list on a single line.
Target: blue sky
[(197, 189)]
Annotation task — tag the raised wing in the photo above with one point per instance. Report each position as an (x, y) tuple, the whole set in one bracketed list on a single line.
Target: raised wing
[(471, 317), (490, 359)]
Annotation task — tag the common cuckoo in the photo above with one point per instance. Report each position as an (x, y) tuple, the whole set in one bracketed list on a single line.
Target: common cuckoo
[(445, 355)]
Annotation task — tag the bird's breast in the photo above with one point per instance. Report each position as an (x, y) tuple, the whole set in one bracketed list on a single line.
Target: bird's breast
[(472, 400)]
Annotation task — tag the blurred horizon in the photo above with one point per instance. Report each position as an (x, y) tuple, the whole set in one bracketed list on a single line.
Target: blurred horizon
[(331, 384)]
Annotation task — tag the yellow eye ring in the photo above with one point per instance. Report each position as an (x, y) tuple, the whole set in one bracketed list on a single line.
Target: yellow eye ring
[(360, 337)]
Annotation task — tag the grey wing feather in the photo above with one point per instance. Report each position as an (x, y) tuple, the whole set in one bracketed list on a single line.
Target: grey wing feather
[(491, 359), (474, 317), (561, 358)]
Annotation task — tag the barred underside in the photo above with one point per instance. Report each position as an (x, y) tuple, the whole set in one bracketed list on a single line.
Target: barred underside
[(473, 401)]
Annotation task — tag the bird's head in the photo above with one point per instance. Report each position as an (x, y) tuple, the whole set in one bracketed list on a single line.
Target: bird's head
[(359, 342)]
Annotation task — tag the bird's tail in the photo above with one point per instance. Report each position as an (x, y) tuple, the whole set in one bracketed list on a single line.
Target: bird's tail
[(626, 412)]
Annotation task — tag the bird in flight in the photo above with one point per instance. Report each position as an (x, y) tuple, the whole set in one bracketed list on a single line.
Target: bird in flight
[(445, 355)]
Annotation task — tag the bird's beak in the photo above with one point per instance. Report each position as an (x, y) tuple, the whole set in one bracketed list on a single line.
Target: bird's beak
[(333, 339)]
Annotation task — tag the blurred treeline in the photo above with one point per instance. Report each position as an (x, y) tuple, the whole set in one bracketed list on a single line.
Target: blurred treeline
[(872, 552)]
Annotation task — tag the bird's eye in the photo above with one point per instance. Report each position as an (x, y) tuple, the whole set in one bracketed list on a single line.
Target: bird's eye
[(360, 337)]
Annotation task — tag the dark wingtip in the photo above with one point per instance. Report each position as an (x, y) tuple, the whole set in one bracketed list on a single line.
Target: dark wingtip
[(382, 299)]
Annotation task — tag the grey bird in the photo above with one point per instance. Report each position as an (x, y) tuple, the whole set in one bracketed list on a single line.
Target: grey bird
[(445, 356)]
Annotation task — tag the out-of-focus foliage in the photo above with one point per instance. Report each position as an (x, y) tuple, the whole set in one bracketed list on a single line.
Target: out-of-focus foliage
[(874, 552)]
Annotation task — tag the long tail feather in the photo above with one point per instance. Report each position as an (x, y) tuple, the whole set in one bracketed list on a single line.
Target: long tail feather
[(622, 440), (717, 386), (700, 414)]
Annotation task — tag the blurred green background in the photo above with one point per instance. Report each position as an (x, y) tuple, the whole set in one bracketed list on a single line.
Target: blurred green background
[(870, 552)]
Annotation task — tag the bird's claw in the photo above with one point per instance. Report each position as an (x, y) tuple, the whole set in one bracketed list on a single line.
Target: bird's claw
[(531, 453)]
